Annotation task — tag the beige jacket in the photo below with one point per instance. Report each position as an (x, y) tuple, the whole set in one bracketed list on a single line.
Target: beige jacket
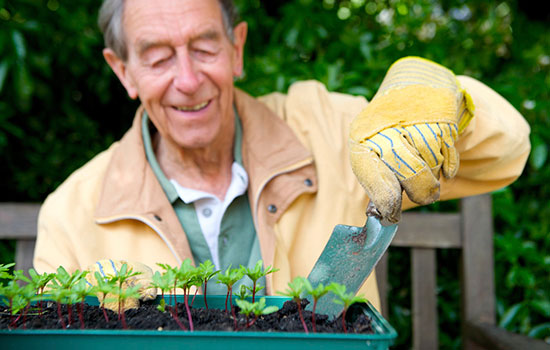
[(113, 207)]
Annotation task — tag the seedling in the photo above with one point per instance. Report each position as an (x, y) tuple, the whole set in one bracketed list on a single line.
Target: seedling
[(11, 296), (58, 294), (103, 286), (346, 299), (173, 270), (256, 273), (123, 295), (316, 293), (295, 289), (39, 282), (243, 292), (23, 300), (229, 278), (122, 276), (62, 284), (164, 282), (205, 273), (26, 297), (257, 309), (80, 291), (4, 271), (187, 276)]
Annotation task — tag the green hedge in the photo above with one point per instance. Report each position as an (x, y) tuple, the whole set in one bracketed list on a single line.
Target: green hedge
[(60, 105)]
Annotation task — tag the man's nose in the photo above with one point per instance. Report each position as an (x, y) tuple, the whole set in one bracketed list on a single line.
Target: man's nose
[(188, 76)]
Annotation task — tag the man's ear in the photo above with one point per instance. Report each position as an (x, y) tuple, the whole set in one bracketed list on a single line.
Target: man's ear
[(239, 39), (119, 67)]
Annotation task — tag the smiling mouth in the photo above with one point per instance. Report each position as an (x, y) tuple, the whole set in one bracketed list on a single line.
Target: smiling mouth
[(194, 108)]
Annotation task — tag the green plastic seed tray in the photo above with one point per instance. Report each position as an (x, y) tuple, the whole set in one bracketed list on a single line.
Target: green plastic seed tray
[(383, 337)]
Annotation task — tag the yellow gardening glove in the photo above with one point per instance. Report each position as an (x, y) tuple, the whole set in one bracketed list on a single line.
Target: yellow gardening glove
[(406, 135), (108, 267)]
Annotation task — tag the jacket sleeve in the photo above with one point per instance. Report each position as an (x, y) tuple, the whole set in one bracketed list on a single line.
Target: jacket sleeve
[(53, 246), (493, 148)]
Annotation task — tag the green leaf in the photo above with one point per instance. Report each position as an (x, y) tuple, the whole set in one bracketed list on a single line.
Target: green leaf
[(542, 306), (538, 155), (270, 309), (3, 73), (24, 86), (292, 37), (19, 44), (540, 331), (510, 315)]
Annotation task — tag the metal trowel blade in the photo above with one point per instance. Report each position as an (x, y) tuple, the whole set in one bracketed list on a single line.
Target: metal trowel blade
[(348, 258)]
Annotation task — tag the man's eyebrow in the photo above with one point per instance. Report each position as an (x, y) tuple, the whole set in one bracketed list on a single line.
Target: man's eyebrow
[(145, 45), (210, 34)]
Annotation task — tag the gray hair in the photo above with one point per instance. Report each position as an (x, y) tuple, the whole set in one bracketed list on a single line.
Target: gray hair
[(110, 23)]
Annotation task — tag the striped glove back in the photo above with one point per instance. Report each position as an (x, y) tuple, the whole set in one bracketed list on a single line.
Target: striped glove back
[(405, 137), (110, 267)]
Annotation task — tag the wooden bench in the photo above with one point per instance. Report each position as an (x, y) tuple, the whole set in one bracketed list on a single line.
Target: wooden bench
[(18, 221), (469, 230)]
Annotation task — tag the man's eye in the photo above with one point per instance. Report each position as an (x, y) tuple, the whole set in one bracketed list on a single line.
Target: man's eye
[(159, 62), (205, 55)]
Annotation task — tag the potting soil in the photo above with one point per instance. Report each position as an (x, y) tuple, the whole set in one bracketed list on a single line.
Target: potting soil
[(148, 317)]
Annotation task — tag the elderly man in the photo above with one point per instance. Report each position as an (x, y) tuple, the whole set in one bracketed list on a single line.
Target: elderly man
[(208, 172)]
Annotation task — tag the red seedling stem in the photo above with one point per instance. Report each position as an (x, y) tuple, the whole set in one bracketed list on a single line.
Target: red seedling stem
[(186, 302), (313, 316), (173, 312), (104, 312), (253, 292), (226, 298), (253, 321), (25, 316), (301, 316), (80, 314), (70, 313), (176, 318), (234, 316), (60, 316), (123, 320), (344, 320), (13, 323), (205, 302)]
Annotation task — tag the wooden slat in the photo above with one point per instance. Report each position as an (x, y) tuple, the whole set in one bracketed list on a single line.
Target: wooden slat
[(477, 265), (492, 337), (429, 230), (382, 281), (477, 260), (24, 252), (18, 220), (424, 299)]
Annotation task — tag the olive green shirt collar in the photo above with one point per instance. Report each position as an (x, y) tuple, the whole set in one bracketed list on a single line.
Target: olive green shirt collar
[(167, 186)]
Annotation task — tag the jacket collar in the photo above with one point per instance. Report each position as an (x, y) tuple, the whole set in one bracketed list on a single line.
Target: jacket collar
[(269, 149)]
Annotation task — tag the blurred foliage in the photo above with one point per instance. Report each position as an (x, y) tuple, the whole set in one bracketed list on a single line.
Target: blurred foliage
[(60, 105)]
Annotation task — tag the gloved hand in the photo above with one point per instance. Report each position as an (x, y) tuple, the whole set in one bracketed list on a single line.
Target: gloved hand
[(108, 267), (407, 133)]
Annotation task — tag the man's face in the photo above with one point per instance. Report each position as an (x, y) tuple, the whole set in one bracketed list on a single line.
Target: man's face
[(181, 65)]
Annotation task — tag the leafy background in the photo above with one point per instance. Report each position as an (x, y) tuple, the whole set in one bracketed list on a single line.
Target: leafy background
[(60, 105)]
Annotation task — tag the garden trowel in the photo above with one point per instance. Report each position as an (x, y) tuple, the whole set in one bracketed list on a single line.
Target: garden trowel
[(350, 256)]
